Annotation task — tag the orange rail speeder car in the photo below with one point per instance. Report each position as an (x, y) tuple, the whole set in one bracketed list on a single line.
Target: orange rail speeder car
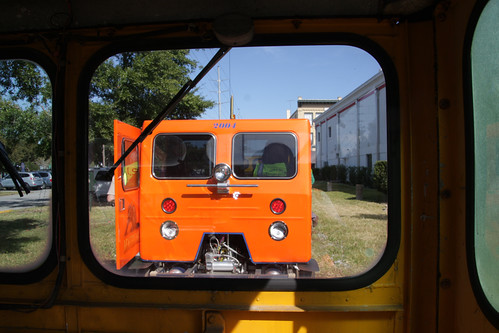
[(216, 197)]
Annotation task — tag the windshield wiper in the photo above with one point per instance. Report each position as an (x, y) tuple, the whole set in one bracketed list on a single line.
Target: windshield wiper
[(169, 108), (14, 175)]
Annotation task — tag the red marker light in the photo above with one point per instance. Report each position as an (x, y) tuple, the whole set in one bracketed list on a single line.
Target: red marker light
[(169, 205), (277, 206)]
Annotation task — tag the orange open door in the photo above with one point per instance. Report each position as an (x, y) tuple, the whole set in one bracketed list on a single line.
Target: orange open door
[(126, 191)]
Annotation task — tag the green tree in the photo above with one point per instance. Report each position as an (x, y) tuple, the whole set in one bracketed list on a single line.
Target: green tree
[(25, 133), (130, 86), (25, 81), (136, 86), (25, 112)]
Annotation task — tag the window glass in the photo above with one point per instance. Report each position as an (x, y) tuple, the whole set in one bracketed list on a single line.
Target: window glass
[(309, 116), (26, 135), (485, 85), (130, 170), (264, 155), (191, 223), (183, 156)]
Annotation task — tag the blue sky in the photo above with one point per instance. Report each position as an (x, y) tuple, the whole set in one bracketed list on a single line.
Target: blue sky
[(266, 81)]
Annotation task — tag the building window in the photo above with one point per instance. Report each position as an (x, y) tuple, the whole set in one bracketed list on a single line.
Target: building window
[(309, 116)]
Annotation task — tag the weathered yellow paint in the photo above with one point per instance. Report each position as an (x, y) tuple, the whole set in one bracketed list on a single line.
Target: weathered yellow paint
[(410, 297)]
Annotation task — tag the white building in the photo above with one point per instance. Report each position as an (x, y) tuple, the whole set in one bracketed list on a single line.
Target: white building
[(352, 132), (310, 109)]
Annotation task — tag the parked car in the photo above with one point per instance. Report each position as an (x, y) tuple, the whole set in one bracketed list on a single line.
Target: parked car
[(101, 182), (31, 179), (47, 178)]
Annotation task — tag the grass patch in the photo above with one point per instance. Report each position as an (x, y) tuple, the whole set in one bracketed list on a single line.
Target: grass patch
[(102, 233), (6, 192), (351, 234), (370, 194), (24, 237), (348, 240)]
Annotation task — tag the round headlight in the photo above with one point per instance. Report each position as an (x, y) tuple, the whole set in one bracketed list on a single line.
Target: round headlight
[(278, 231), (221, 172), (169, 230)]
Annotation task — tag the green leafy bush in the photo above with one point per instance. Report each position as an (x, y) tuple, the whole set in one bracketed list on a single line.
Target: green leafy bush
[(353, 175), (346, 175), (360, 175), (342, 173), (317, 173), (380, 177)]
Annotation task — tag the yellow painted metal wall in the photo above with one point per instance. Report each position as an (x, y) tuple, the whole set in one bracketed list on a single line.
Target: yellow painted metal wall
[(426, 289)]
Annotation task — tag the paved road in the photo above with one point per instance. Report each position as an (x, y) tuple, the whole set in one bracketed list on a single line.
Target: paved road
[(33, 199)]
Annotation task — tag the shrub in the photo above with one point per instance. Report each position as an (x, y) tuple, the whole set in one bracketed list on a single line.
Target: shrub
[(360, 175), (333, 173), (342, 173), (353, 175), (380, 177), (317, 173), (326, 173), (364, 176)]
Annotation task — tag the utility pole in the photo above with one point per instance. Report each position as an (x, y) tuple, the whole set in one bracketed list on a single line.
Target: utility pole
[(219, 102), (103, 155), (232, 116)]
